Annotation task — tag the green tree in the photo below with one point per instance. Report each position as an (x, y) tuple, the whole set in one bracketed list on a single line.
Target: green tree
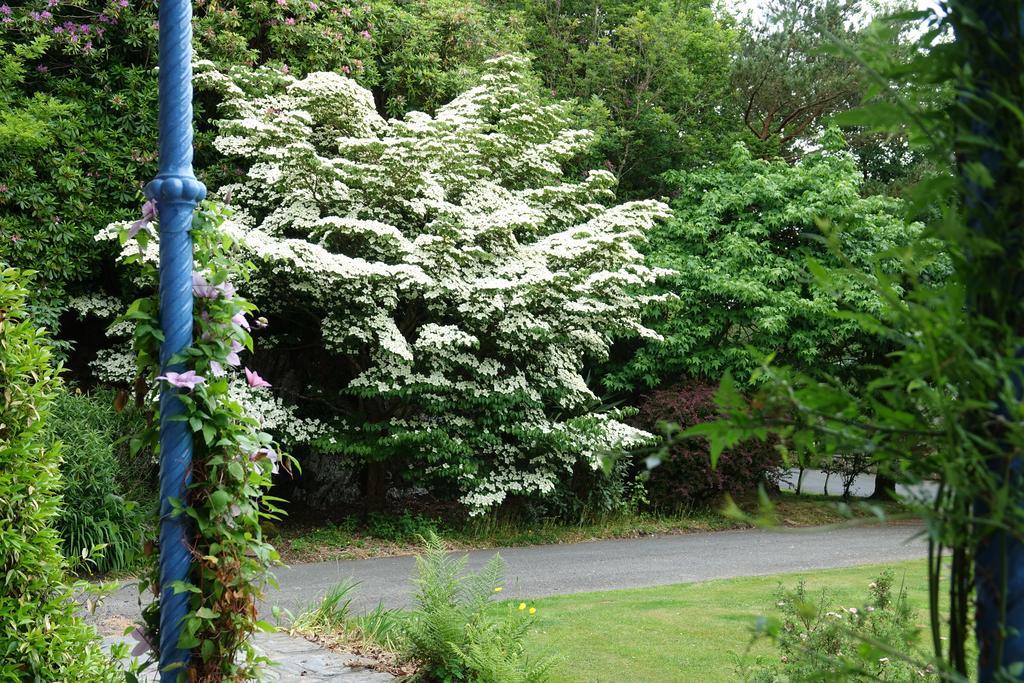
[(739, 243), (652, 77), (786, 76)]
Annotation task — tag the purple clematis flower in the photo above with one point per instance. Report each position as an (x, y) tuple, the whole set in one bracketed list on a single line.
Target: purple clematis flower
[(144, 644), (240, 320), (201, 288), (270, 455), (149, 214), (216, 369), (255, 381), (183, 380), (232, 358)]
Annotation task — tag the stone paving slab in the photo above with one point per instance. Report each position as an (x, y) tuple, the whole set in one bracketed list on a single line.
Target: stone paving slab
[(298, 661)]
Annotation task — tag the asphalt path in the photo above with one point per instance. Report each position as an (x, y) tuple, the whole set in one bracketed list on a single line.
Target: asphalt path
[(543, 570)]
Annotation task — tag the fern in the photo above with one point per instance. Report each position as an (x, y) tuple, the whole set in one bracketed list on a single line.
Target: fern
[(454, 633)]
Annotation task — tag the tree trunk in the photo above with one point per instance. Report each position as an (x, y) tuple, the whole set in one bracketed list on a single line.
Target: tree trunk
[(885, 488), (376, 487)]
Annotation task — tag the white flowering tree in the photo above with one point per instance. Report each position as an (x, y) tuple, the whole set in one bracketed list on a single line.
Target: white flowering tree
[(435, 284)]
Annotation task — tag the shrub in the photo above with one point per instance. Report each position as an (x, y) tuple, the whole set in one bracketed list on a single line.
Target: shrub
[(41, 638), (399, 528), (96, 510), (740, 241), (685, 476), (456, 634), (447, 281), (819, 640)]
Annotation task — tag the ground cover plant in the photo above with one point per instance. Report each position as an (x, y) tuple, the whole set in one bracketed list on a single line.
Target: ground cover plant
[(712, 630), (818, 639)]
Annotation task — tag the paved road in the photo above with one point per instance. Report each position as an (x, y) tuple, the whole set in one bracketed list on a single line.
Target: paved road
[(538, 571)]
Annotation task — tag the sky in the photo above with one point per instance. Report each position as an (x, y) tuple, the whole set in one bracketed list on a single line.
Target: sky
[(756, 7)]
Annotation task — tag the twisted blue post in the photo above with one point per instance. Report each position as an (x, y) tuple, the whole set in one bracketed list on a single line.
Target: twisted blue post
[(176, 192), (990, 33)]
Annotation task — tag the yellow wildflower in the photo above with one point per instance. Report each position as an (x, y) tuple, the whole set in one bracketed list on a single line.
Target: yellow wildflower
[(533, 610), (522, 605), (497, 589)]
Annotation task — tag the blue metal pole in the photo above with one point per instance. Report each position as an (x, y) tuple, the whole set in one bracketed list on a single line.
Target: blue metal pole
[(176, 192), (989, 135)]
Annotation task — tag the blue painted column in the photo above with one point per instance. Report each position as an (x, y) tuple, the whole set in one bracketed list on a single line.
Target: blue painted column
[(176, 192), (990, 135)]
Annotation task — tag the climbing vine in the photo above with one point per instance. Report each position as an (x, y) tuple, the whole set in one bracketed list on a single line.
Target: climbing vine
[(234, 459)]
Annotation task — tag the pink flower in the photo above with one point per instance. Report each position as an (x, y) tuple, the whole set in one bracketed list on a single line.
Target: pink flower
[(255, 381), (364, 34), (282, 3), (201, 288), (183, 380), (269, 454), (291, 22), (232, 357), (240, 320), (345, 11), (144, 644), (345, 68), (149, 214), (122, 3)]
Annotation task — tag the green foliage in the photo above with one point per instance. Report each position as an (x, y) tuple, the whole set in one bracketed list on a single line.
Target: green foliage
[(400, 528), (454, 634), (819, 640), (96, 510), (744, 241), (41, 638), (652, 79)]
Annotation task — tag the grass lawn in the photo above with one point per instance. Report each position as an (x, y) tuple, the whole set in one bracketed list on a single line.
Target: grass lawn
[(384, 535), (683, 633)]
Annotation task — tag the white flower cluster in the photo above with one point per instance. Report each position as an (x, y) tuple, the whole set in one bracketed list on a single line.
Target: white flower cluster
[(272, 414), (459, 276)]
